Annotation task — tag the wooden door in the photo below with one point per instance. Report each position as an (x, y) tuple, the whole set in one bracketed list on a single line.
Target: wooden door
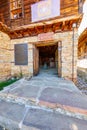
[(59, 58), (36, 60)]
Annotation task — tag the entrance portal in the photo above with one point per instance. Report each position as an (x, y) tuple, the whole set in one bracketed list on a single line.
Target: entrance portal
[(48, 58)]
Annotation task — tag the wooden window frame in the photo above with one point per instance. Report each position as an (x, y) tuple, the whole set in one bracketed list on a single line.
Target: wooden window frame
[(16, 9)]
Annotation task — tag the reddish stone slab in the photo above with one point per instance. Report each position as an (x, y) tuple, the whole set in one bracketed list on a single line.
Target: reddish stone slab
[(57, 98)]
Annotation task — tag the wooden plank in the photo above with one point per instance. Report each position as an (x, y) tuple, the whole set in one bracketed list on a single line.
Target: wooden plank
[(36, 60), (4, 10)]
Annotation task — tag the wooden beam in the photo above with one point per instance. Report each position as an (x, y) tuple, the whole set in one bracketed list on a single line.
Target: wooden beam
[(83, 36), (46, 22), (39, 29)]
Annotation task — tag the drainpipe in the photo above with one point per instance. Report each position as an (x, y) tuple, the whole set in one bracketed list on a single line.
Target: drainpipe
[(73, 45)]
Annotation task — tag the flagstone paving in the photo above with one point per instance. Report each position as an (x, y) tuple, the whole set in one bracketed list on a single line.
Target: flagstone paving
[(45, 102)]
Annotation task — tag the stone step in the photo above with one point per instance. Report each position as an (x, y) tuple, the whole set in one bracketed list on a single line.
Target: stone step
[(24, 117), (70, 103)]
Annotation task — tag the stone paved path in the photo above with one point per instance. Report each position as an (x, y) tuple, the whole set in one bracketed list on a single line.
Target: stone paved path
[(45, 102)]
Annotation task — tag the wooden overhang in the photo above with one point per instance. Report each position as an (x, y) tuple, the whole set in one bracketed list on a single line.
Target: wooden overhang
[(82, 44), (82, 38), (33, 29), (4, 28), (55, 25)]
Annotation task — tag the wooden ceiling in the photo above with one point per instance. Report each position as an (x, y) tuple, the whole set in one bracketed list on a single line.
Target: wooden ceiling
[(83, 35), (82, 45), (48, 51), (82, 38)]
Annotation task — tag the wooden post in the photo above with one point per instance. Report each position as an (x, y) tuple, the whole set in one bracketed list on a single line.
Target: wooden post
[(59, 58)]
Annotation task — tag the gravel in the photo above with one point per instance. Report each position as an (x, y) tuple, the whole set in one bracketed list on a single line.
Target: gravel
[(82, 85)]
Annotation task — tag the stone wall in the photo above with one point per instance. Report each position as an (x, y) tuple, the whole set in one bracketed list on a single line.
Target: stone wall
[(67, 54), (69, 70), (5, 56)]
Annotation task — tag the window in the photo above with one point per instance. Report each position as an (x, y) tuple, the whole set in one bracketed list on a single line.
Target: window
[(15, 9)]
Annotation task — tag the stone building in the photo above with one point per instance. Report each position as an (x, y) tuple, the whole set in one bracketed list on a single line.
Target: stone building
[(29, 42)]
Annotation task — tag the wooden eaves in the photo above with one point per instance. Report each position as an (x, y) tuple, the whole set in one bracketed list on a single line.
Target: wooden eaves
[(33, 29)]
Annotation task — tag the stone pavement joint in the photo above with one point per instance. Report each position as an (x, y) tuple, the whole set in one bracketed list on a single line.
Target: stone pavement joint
[(39, 94), (25, 114)]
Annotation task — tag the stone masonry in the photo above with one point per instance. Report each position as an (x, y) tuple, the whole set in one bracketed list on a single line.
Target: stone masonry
[(5, 56), (66, 61), (67, 53)]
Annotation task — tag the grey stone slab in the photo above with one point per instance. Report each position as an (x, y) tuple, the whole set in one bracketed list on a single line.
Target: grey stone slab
[(46, 120), (64, 97), (12, 111), (37, 82), (26, 91), (53, 82), (11, 115)]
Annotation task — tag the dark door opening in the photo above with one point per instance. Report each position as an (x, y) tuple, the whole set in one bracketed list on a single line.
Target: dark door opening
[(48, 58)]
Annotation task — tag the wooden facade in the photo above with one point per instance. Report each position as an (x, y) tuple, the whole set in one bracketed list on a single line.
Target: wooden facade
[(21, 26), (5, 12), (68, 8), (82, 45)]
